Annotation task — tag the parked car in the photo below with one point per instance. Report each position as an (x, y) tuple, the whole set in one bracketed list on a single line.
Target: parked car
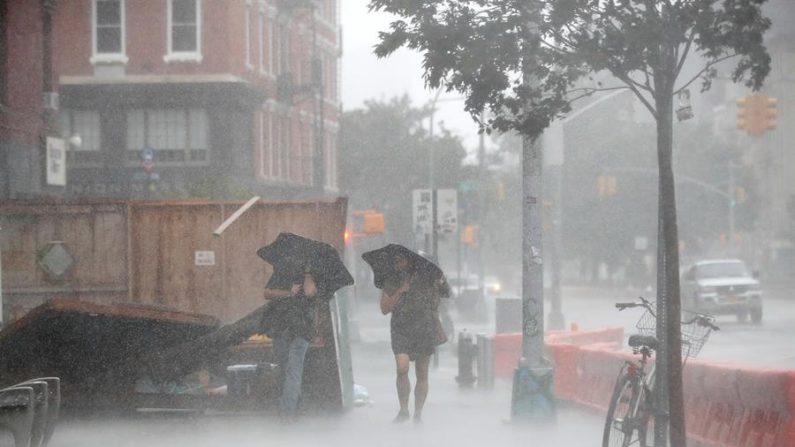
[(722, 287)]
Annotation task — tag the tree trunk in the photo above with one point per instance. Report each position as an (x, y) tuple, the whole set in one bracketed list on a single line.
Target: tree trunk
[(667, 197)]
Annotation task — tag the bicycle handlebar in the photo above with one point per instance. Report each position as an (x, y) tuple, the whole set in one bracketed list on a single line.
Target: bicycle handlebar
[(701, 320), (622, 306), (643, 303), (704, 321)]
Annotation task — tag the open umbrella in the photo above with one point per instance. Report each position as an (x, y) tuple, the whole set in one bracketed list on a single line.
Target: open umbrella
[(382, 261), (292, 255)]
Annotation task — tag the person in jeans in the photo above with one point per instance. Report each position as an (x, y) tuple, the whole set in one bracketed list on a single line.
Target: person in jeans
[(292, 329)]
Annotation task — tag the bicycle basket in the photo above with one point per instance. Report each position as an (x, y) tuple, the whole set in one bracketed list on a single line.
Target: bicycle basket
[(694, 335)]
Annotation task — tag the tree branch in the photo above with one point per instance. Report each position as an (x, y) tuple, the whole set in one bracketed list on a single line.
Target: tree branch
[(591, 91), (646, 86), (638, 93), (555, 48), (702, 71)]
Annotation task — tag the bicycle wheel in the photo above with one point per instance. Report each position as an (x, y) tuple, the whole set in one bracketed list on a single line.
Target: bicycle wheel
[(627, 416)]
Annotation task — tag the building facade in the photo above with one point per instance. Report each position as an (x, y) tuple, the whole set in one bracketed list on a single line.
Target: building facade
[(198, 98)]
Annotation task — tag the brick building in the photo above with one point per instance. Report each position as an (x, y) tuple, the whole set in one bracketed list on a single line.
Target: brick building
[(176, 98), (25, 77)]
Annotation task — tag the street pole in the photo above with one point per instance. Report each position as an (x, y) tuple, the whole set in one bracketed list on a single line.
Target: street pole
[(319, 165), (434, 248), (732, 205), (556, 320), (532, 396), (482, 211), (434, 208)]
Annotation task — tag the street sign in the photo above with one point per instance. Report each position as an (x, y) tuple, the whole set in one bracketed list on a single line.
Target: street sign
[(204, 257), (148, 159), (56, 161), (422, 210), (447, 210)]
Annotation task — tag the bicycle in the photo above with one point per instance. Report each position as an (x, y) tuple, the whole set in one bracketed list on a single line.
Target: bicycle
[(632, 404)]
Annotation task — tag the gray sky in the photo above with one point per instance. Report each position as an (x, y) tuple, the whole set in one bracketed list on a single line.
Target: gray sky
[(366, 77)]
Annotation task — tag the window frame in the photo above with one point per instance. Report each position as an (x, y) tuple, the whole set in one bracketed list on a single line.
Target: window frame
[(183, 56), (187, 151), (109, 58), (271, 42)]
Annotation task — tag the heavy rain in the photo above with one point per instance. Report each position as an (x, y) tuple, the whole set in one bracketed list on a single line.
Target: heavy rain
[(378, 222)]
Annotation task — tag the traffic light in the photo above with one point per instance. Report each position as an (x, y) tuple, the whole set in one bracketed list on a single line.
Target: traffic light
[(373, 223), (740, 195), (756, 114), (606, 185), (469, 235)]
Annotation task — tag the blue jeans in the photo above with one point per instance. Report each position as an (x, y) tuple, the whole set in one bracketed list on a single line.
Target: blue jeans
[(289, 353)]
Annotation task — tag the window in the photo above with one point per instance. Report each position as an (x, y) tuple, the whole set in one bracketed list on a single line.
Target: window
[(248, 34), (184, 30), (285, 148), (177, 136), (108, 31), (261, 37), (264, 145), (271, 44), (283, 55), (86, 124)]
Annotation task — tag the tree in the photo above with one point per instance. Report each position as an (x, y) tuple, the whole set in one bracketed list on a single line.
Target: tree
[(384, 155), (488, 49)]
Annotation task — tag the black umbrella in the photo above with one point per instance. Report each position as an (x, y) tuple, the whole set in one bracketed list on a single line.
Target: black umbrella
[(292, 255), (382, 261)]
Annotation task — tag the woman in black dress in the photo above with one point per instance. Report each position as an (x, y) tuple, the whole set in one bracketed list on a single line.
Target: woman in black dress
[(411, 299)]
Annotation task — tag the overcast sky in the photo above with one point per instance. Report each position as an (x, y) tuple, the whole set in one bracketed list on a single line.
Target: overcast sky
[(366, 77)]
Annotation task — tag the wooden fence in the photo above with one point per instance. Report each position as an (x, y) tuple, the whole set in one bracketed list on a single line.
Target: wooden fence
[(154, 253)]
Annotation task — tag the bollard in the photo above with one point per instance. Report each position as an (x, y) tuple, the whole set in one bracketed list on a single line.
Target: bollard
[(485, 349), (466, 359)]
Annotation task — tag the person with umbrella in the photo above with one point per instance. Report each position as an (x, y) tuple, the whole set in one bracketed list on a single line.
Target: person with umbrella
[(305, 272), (412, 287)]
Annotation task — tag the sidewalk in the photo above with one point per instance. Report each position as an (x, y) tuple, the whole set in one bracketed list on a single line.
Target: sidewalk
[(454, 417)]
